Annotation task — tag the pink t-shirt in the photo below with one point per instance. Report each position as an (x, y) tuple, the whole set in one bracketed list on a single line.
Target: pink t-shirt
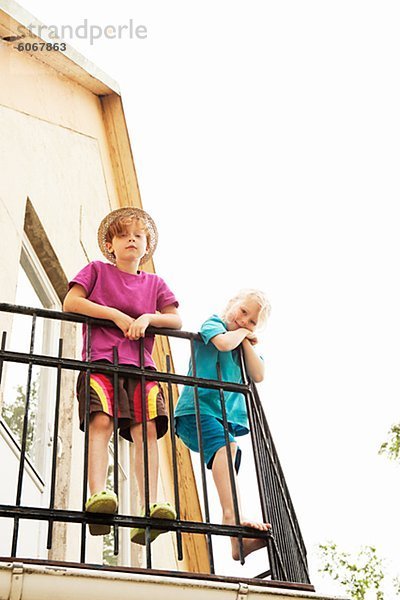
[(132, 294)]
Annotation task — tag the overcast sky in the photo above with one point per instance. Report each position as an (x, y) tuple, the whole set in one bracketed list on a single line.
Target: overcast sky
[(266, 142)]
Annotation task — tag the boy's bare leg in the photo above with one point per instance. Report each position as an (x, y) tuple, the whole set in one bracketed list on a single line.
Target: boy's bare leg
[(100, 430), (220, 471), (137, 436)]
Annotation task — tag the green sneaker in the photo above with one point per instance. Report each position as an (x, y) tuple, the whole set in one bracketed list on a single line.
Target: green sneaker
[(102, 502), (158, 510)]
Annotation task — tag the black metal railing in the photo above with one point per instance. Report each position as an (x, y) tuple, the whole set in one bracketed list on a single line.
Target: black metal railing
[(286, 551)]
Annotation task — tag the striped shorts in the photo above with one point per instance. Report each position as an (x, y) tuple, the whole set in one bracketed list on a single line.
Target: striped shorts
[(129, 401)]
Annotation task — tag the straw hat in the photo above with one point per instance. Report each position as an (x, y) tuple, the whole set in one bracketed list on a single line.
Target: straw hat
[(136, 213)]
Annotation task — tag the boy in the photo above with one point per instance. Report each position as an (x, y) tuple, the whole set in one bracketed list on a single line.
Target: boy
[(133, 300)]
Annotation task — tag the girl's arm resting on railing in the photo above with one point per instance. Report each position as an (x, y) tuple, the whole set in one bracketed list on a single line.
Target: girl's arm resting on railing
[(225, 342), (254, 364), (231, 340)]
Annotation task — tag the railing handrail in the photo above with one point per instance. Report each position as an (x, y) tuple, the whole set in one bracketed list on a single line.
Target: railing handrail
[(75, 364), (48, 313)]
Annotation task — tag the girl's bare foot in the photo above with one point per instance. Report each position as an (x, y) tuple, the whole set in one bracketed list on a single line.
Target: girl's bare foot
[(249, 544)]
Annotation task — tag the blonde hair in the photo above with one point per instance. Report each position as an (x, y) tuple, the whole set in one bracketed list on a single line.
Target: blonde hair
[(258, 296)]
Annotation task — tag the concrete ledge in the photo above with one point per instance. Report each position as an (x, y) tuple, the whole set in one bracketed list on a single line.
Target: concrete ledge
[(23, 581)]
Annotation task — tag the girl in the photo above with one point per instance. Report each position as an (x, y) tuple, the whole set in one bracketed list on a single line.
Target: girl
[(245, 313), (133, 300)]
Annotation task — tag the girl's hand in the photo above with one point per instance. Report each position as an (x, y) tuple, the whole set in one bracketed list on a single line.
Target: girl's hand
[(138, 327), (253, 339), (123, 321)]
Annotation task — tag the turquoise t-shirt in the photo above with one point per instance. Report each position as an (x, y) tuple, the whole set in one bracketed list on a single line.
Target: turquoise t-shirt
[(207, 356)]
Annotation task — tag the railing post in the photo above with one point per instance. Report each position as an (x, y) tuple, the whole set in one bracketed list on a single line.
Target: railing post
[(86, 429), (55, 446), (24, 433), (115, 442), (230, 464), (145, 452), (258, 467), (174, 462), (201, 451)]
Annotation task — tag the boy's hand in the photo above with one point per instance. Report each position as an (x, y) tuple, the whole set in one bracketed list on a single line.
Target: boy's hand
[(138, 327), (123, 321)]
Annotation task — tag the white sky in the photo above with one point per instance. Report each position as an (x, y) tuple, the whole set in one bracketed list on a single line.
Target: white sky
[(266, 142)]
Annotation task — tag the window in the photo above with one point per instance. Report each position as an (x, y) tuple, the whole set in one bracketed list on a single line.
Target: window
[(33, 289)]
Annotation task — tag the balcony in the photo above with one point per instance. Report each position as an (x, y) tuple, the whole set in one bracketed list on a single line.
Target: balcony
[(286, 566)]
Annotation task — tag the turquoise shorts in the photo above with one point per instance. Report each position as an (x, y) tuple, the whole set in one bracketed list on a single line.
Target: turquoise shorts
[(212, 430)]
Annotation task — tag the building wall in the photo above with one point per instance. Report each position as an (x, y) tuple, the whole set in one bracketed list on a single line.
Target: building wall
[(54, 150), (66, 161)]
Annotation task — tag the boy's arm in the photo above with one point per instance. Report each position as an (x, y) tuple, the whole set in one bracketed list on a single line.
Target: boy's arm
[(168, 317), (254, 365), (76, 302)]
